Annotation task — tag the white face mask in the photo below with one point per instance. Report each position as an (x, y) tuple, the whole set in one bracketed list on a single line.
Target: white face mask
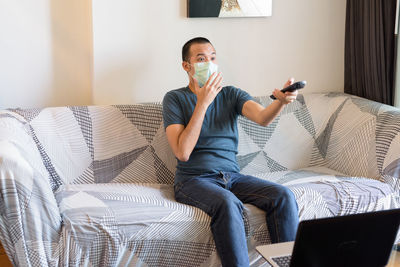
[(203, 71)]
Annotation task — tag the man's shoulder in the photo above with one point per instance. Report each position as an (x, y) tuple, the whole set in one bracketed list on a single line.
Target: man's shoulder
[(229, 87), (237, 95), (175, 94), (231, 91), (182, 90)]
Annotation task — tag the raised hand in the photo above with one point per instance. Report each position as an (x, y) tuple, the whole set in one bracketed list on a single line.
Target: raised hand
[(207, 93), (288, 97)]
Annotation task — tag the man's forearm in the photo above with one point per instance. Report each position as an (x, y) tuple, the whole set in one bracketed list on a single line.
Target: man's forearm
[(268, 114), (188, 138)]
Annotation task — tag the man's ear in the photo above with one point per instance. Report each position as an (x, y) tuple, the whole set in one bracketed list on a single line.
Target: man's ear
[(186, 66)]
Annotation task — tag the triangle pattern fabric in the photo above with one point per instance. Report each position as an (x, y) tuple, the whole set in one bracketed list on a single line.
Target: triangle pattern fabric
[(146, 118), (12, 115), (305, 119), (55, 180), (87, 177), (61, 136), (392, 154), (246, 144), (366, 106), (393, 169), (293, 107), (262, 235), (113, 133), (357, 157), (259, 134), (263, 100), (323, 139), (321, 108), (141, 170), (106, 170), (28, 114), (181, 257), (300, 99), (273, 165), (258, 164), (316, 159), (83, 118), (244, 160), (163, 150), (164, 175), (387, 128)]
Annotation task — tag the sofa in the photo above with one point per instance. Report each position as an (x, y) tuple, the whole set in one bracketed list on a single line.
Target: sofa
[(93, 185)]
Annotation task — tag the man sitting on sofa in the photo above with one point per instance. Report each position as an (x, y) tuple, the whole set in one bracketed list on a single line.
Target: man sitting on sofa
[(201, 127)]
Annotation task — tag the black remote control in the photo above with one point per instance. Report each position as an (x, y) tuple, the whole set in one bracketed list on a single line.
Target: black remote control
[(293, 87)]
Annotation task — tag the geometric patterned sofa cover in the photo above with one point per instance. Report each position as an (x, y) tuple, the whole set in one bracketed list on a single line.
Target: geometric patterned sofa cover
[(92, 185)]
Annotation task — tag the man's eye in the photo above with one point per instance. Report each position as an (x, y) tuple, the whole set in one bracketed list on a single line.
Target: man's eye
[(213, 58), (201, 59)]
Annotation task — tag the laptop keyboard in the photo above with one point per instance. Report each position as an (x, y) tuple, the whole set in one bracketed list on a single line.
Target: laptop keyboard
[(282, 261)]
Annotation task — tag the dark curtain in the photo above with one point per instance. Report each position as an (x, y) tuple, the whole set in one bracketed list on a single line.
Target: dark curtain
[(370, 49)]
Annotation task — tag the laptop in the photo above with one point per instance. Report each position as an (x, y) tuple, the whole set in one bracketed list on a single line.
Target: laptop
[(364, 239)]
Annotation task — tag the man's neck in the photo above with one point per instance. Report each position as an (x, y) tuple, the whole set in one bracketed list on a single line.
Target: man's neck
[(191, 86)]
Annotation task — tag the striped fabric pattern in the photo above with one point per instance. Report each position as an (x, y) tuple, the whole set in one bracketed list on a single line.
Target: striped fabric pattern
[(93, 185)]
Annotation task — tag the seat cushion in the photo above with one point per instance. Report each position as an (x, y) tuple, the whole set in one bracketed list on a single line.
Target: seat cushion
[(323, 192), (143, 225)]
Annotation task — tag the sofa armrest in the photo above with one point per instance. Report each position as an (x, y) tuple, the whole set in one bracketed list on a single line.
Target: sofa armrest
[(364, 140), (388, 148), (30, 221)]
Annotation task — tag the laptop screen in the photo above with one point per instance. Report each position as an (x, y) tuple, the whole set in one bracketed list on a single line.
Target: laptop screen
[(353, 240)]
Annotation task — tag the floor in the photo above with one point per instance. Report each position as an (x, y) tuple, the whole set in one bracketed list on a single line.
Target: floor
[(4, 261), (394, 260)]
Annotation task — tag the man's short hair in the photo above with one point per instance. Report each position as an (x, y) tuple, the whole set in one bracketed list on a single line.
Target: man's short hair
[(188, 44)]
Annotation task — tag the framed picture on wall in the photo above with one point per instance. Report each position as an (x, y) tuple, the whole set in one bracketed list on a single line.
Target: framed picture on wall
[(229, 8)]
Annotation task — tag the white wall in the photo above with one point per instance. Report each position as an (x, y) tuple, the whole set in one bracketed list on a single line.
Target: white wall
[(47, 49), (45, 53), (137, 47)]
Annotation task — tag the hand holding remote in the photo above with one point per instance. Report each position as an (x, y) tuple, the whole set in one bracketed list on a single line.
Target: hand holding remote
[(293, 87)]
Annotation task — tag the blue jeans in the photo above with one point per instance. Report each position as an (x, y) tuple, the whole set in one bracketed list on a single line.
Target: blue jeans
[(222, 195)]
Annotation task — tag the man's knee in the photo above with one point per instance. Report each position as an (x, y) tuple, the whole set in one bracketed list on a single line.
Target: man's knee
[(286, 196), (228, 206)]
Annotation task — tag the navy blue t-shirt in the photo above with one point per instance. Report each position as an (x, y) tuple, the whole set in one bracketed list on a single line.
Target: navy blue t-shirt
[(216, 147)]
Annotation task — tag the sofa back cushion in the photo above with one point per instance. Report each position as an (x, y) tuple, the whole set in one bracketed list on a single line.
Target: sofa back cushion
[(127, 143), (287, 143), (103, 144), (352, 135)]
